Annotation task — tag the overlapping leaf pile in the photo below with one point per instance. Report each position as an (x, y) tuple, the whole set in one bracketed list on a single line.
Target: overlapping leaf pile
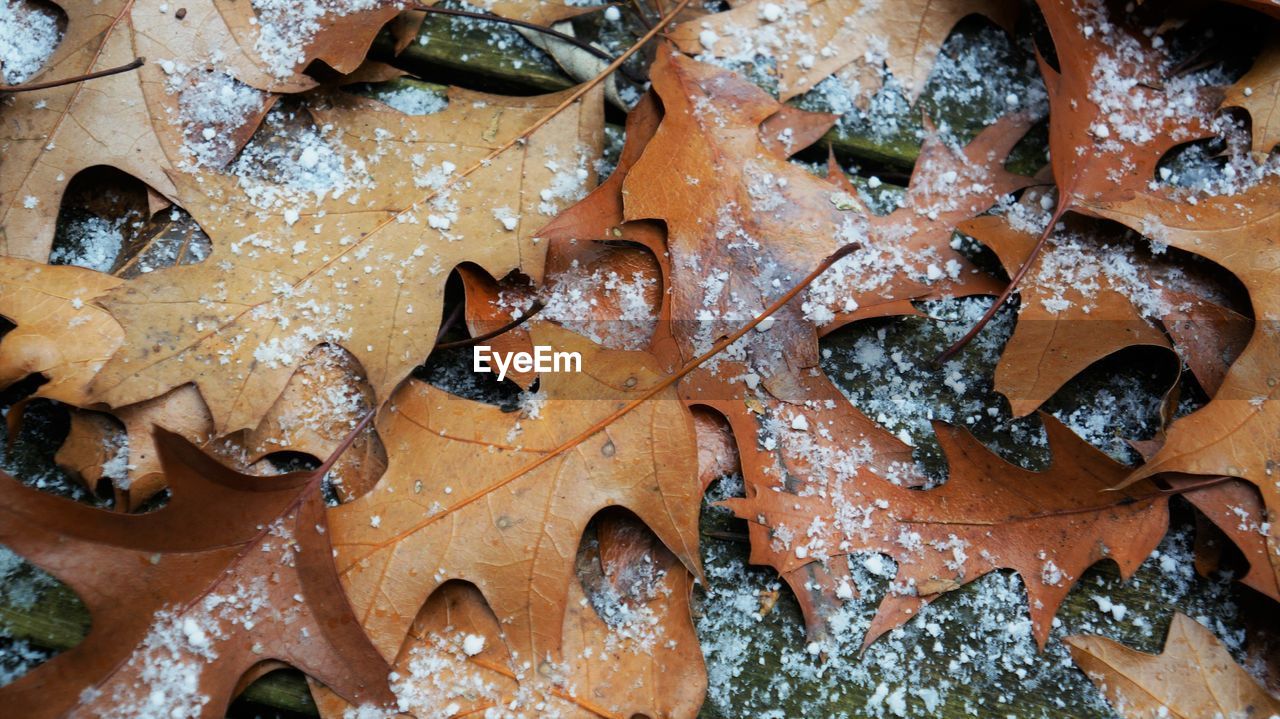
[(290, 261)]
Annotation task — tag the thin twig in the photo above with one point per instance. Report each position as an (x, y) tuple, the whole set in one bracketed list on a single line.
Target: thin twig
[(950, 352), (727, 536), (137, 63), (524, 317)]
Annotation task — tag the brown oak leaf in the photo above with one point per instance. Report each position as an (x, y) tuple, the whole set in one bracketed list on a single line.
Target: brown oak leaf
[(628, 643), (321, 403), (1258, 92), (1194, 676), (195, 98), (1114, 108), (234, 574), (1238, 433), (1047, 526), (773, 223), (60, 332), (1237, 511), (293, 259), (1091, 292), (501, 499)]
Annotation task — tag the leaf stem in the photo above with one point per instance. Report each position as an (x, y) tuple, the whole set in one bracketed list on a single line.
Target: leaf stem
[(137, 63), (1195, 486), (1008, 290)]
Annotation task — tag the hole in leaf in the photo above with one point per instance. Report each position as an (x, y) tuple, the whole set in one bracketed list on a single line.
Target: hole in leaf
[(40, 617), (30, 31)]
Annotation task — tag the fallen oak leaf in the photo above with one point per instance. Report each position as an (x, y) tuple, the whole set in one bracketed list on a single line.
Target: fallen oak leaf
[(386, 371), (321, 403), (1235, 433), (195, 99), (717, 452), (812, 39), (1114, 111), (1089, 294), (609, 293), (948, 185), (1047, 526), (235, 571), (238, 324), (1113, 114), (134, 465), (386, 637), (91, 448), (1236, 509), (1193, 677), (627, 297), (776, 218), (62, 334), (1211, 337), (810, 448), (628, 642), (507, 497), (772, 220)]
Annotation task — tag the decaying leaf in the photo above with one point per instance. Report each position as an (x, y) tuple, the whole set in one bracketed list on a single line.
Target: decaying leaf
[(236, 571), (1194, 677), (293, 259), (501, 499), (628, 643), (1047, 526), (1238, 433)]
